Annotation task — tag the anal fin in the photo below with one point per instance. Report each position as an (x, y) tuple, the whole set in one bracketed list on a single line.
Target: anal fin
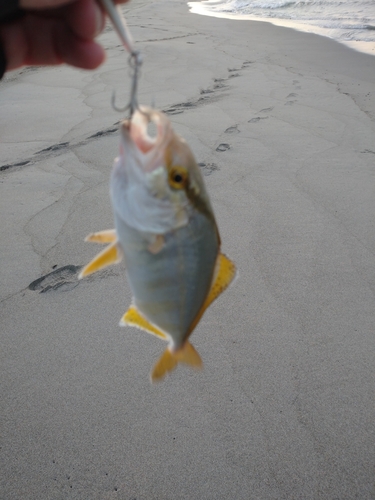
[(110, 255), (133, 317)]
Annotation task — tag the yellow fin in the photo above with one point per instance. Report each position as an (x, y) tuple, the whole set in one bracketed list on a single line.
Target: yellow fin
[(188, 355), (225, 271), (110, 255), (133, 317), (107, 236), (169, 360)]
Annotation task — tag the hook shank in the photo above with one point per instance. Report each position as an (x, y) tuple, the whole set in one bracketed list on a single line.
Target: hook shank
[(135, 60)]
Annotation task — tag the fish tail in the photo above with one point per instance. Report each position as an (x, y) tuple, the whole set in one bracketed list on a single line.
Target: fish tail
[(170, 359)]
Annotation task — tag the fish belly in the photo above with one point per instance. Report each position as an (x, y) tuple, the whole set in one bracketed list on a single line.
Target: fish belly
[(169, 287)]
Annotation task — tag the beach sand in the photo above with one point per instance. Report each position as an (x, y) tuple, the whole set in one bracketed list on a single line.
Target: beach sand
[(282, 124)]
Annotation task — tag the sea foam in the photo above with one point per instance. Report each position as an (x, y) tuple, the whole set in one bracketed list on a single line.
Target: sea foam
[(351, 22)]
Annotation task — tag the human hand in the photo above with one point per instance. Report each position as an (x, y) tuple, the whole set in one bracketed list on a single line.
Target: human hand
[(54, 32)]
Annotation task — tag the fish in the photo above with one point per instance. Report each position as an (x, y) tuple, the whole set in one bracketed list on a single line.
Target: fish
[(166, 232)]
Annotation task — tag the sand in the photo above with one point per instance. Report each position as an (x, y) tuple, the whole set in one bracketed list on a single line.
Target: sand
[(283, 125)]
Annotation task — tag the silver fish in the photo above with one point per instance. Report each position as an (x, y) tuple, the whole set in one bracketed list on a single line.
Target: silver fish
[(165, 229)]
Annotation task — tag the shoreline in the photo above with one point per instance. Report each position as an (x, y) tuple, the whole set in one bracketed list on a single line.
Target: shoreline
[(363, 47), (282, 124)]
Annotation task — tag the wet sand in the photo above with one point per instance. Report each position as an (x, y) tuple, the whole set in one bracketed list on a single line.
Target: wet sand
[(282, 124)]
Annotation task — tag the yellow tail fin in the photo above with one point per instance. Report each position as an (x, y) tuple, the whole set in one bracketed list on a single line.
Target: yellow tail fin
[(169, 360)]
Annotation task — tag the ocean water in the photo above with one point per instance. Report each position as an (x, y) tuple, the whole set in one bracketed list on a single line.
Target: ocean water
[(348, 21)]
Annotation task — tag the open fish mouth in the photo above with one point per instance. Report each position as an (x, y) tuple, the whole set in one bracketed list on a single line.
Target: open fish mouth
[(140, 182), (147, 133)]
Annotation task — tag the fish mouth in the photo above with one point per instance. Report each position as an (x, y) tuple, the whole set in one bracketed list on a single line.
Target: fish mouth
[(147, 133)]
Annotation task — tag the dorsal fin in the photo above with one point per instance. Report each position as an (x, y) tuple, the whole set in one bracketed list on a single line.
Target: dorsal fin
[(133, 317), (225, 271), (110, 255)]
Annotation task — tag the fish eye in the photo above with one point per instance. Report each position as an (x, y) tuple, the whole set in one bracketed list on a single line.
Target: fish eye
[(178, 177)]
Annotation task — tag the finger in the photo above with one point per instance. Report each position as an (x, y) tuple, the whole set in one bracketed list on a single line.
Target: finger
[(86, 54), (40, 38), (28, 41), (14, 43), (36, 41), (85, 18), (50, 4), (42, 4)]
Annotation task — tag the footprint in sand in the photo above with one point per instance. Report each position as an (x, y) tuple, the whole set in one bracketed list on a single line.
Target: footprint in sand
[(223, 147), (257, 119), (232, 130), (291, 99), (266, 110), (219, 83), (233, 72), (206, 95), (179, 108), (62, 279), (208, 168)]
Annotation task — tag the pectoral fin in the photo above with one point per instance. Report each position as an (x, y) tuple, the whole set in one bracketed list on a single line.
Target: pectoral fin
[(169, 360), (133, 317), (107, 236), (110, 255)]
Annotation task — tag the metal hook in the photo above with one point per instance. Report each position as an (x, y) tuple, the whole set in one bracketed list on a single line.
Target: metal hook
[(135, 62)]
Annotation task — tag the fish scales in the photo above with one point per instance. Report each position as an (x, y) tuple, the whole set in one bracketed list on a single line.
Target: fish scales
[(165, 230), (171, 295)]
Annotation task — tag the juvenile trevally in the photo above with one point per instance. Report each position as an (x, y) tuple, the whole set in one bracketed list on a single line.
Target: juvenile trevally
[(165, 230)]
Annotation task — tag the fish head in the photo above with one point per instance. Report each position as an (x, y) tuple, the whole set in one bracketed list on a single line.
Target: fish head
[(156, 183)]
